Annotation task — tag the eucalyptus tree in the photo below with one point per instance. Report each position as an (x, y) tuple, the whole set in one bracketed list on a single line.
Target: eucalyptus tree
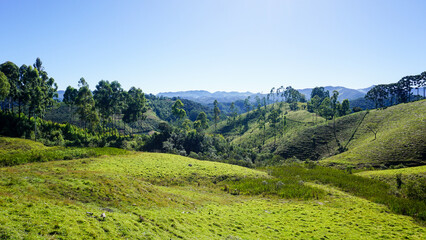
[(4, 87), (70, 98), (202, 122), (136, 106), (47, 86), (104, 99), (34, 91), (86, 105), (216, 111), (272, 95), (345, 108), (314, 105), (117, 100), (258, 103), (378, 94), (233, 111), (247, 104), (177, 110), (21, 86), (262, 124), (11, 71), (320, 92), (325, 109), (335, 105), (274, 119)]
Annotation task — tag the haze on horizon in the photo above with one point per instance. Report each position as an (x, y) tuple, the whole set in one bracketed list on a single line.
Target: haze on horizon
[(242, 45)]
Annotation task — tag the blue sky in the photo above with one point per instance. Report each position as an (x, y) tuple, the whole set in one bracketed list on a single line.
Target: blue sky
[(229, 45)]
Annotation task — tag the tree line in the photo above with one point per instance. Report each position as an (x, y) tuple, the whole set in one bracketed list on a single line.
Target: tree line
[(400, 92), (28, 87), (108, 103), (326, 106)]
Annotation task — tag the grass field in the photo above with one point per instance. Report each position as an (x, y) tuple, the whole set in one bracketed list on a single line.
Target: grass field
[(162, 196), (14, 151)]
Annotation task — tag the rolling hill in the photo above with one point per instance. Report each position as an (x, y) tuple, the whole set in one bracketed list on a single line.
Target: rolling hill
[(399, 137), (162, 196)]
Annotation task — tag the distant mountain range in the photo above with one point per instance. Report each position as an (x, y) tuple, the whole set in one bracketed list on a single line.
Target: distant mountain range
[(205, 97)]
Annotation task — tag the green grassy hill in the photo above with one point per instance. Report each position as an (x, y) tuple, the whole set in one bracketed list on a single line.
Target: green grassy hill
[(247, 132), (400, 138), (162, 196), (375, 138)]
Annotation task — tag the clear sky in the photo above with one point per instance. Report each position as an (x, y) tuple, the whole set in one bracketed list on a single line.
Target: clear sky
[(228, 45)]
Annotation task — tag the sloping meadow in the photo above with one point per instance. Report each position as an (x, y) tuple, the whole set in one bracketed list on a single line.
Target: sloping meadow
[(162, 196)]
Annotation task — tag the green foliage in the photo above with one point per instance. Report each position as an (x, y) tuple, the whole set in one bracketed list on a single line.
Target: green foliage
[(136, 105), (320, 92), (216, 111), (11, 72), (86, 105), (388, 94), (104, 99), (52, 133), (201, 122), (177, 109), (4, 86)]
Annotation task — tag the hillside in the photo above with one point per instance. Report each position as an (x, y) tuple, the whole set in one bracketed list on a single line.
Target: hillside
[(399, 139), (350, 140), (161, 196)]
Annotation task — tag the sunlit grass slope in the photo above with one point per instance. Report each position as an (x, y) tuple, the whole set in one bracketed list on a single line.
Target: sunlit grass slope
[(391, 173), (408, 182), (401, 138), (253, 135), (161, 196), (14, 151)]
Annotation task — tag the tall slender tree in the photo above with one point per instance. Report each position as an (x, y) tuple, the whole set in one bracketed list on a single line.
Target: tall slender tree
[(274, 119), (118, 97), (11, 71), (104, 100), (70, 98), (4, 87), (233, 111), (177, 110), (136, 106), (86, 105), (216, 111)]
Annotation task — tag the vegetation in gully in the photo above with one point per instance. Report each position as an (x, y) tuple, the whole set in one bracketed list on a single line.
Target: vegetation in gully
[(117, 164)]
